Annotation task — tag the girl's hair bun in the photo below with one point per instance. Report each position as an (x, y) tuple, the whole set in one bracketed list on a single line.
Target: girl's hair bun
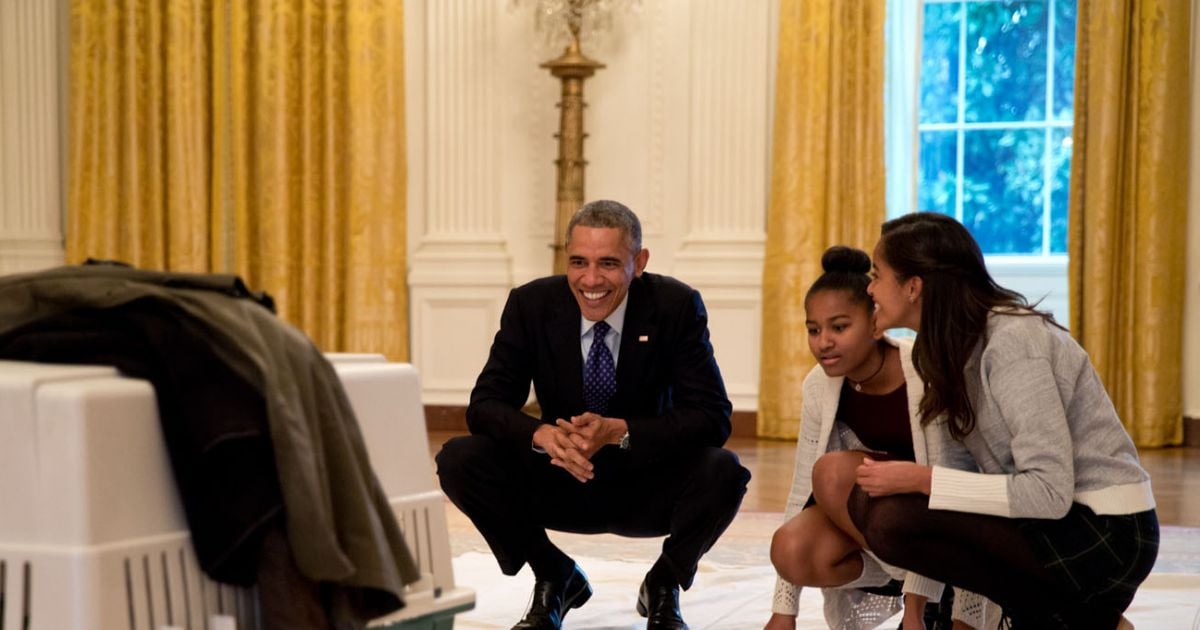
[(840, 258)]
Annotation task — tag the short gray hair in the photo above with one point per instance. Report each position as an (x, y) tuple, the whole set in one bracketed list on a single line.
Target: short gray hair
[(605, 213)]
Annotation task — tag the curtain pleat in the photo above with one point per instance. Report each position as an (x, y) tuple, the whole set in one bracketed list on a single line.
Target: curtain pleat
[(1128, 206), (377, 296), (186, 137), (262, 138), (827, 178)]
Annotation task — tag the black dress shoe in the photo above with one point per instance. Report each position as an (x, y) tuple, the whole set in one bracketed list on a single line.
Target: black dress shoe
[(660, 606), (552, 600)]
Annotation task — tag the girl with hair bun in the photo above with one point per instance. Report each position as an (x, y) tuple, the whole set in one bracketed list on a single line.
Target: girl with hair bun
[(1059, 528), (862, 399)]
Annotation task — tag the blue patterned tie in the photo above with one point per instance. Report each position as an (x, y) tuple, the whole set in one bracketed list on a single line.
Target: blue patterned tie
[(599, 374)]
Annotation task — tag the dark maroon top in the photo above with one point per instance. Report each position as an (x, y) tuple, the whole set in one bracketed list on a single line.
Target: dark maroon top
[(879, 420)]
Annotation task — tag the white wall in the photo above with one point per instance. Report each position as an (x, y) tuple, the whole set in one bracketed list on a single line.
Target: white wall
[(678, 126)]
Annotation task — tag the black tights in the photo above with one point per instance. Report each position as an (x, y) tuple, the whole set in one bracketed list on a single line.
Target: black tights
[(989, 555)]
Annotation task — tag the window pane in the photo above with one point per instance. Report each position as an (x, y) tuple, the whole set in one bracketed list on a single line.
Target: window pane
[(1060, 156), (1002, 189), (939, 63), (1006, 61), (1064, 58), (936, 175)]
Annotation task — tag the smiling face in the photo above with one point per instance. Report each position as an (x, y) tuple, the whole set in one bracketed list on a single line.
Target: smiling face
[(897, 302), (841, 334), (600, 269)]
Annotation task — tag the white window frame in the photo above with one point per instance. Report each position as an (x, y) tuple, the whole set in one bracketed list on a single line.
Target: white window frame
[(1038, 276)]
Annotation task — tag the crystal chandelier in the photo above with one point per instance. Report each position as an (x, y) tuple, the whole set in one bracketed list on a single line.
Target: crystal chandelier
[(559, 21)]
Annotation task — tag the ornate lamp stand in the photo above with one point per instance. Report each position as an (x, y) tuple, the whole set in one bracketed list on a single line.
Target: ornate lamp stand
[(572, 67)]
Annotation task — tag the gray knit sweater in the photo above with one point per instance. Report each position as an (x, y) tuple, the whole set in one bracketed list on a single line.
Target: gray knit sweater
[(1046, 431)]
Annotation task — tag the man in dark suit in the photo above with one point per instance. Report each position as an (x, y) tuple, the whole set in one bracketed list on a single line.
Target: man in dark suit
[(633, 419)]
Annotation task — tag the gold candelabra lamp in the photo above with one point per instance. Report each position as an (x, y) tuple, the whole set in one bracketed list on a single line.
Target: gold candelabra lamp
[(572, 67), (574, 21)]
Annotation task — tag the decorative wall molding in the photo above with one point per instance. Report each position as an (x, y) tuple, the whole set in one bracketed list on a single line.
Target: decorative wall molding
[(724, 227), (31, 183), (728, 274), (453, 330), (660, 64), (459, 272), (730, 56), (460, 120), (735, 324), (460, 264), (538, 117), (29, 253)]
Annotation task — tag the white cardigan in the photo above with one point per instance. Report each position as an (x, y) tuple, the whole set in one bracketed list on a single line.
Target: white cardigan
[(846, 607)]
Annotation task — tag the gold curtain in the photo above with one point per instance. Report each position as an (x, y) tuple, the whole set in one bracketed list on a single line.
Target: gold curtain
[(827, 177), (1128, 206), (140, 129), (262, 138)]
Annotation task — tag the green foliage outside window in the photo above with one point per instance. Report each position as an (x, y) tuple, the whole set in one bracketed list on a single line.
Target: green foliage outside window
[(995, 119)]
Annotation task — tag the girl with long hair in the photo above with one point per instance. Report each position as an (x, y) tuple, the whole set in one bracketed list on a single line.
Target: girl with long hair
[(1059, 526)]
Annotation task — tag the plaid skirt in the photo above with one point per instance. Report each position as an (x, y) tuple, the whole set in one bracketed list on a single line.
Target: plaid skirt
[(1100, 558)]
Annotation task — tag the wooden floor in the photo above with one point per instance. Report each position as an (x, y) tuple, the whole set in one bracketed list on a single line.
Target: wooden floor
[(1175, 474)]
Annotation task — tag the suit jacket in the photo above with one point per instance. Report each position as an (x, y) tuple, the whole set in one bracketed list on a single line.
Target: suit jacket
[(669, 388)]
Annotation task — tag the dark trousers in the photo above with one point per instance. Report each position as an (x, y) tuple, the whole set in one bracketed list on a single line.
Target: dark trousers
[(514, 497)]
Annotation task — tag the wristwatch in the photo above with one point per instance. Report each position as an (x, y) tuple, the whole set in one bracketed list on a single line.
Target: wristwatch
[(625, 441)]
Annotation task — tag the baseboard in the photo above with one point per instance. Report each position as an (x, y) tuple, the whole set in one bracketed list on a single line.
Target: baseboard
[(745, 424), (446, 418), (454, 418)]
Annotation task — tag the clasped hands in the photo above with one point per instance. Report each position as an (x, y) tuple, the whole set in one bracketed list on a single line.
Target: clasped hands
[(572, 444)]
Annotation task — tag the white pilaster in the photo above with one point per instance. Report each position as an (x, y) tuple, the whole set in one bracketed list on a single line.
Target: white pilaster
[(728, 151), (31, 199), (460, 268)]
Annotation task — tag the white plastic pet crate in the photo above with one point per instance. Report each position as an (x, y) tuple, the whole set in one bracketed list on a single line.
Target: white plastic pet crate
[(92, 534)]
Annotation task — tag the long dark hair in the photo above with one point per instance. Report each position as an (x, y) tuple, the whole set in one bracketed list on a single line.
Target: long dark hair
[(956, 296), (845, 269)]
